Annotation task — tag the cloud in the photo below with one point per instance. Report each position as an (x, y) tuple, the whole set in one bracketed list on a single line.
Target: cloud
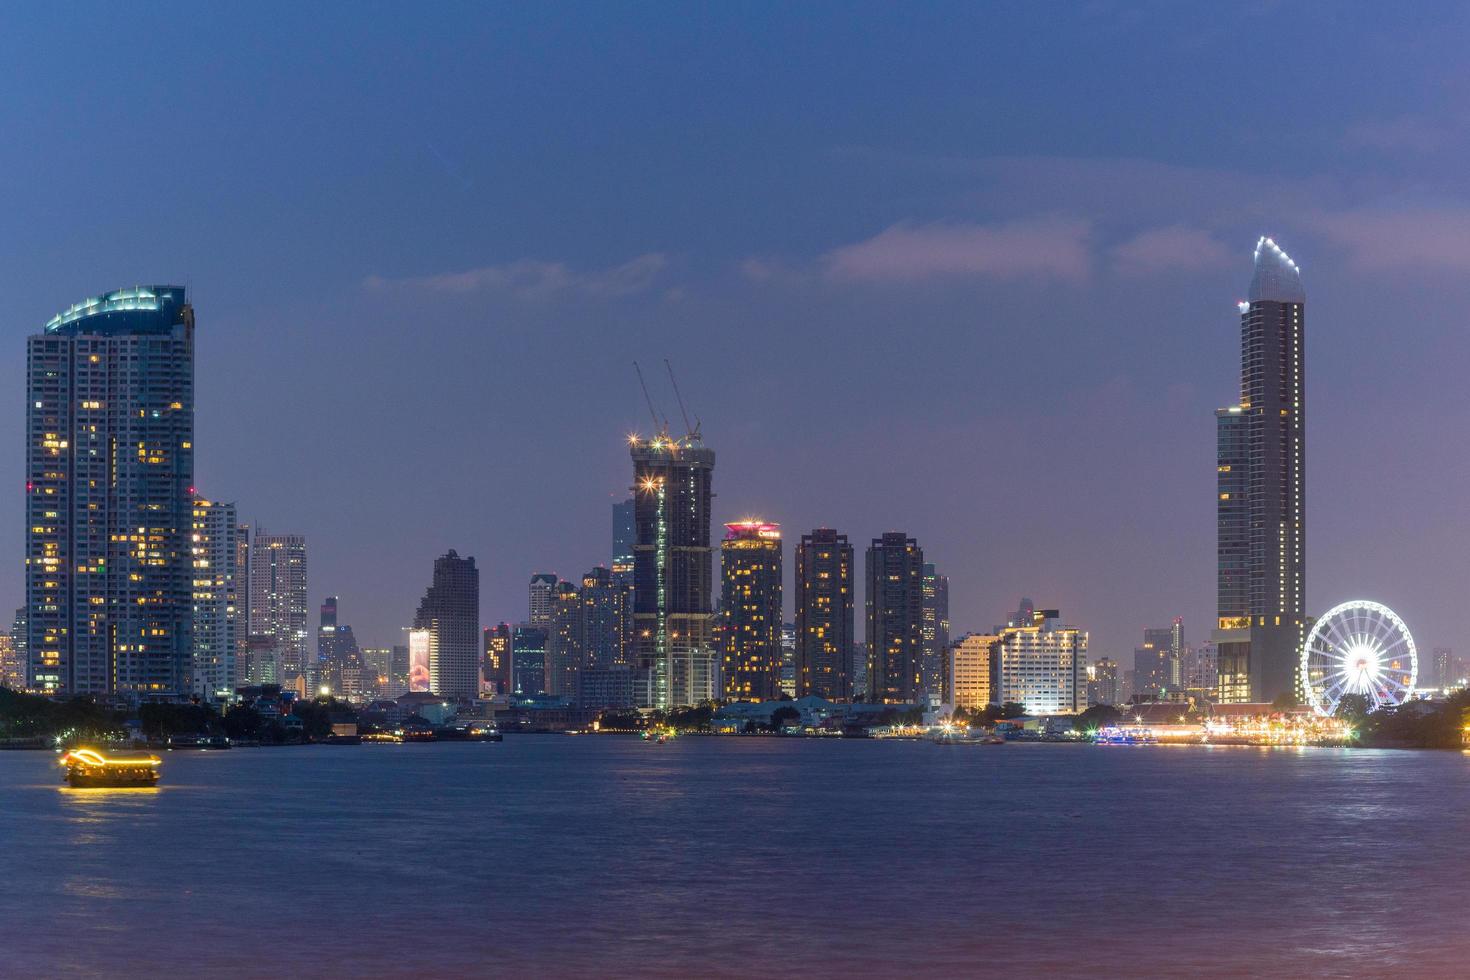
[(536, 279), (1052, 248), (1404, 134), (1401, 238), (1175, 248)]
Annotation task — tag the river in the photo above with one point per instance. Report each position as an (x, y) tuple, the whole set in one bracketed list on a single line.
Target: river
[(608, 856)]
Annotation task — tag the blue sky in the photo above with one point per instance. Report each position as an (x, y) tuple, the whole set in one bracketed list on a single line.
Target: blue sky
[(963, 270)]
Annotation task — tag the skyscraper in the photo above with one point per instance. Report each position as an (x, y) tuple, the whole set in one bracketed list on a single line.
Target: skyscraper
[(497, 668), (895, 613), (278, 608), (219, 606), (109, 495), (19, 638), (824, 624), (528, 659), (935, 630), (1261, 450), (450, 613), (672, 594), (543, 598), (750, 611)]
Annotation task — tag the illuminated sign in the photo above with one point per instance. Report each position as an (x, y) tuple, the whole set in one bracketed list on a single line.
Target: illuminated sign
[(420, 642)]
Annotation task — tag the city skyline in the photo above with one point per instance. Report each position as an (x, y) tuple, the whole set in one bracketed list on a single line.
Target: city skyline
[(823, 295)]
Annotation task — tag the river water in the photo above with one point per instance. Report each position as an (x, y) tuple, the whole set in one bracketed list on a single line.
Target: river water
[(607, 856)]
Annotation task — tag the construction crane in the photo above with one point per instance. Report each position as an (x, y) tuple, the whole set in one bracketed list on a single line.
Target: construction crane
[(660, 425), (691, 431)]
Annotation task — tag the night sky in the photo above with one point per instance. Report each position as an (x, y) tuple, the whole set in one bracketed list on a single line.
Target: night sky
[(967, 271)]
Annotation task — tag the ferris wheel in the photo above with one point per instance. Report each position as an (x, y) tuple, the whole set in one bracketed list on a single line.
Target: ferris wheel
[(1359, 647)]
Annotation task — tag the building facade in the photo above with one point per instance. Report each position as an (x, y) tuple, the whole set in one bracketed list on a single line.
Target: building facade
[(278, 609), (1258, 646), (673, 615), (450, 612), (750, 611), (935, 629), (219, 602), (543, 599), (564, 652), (969, 670), (109, 496), (895, 618), (824, 615), (1041, 665), (1102, 679)]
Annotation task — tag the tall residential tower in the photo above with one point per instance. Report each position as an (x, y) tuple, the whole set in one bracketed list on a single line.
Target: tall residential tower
[(109, 496), (824, 641), (750, 611), (1261, 491)]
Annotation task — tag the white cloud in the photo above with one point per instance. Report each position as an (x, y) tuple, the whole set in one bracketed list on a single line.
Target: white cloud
[(535, 279)]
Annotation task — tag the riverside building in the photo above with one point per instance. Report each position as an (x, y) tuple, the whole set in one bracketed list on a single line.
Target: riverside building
[(750, 611), (824, 615), (1041, 664), (1261, 492), (673, 616), (109, 496), (895, 614)]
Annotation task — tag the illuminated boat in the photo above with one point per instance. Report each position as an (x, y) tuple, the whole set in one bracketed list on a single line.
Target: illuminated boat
[(87, 768)]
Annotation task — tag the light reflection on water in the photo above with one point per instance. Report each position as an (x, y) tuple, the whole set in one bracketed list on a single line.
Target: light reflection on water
[(610, 857)]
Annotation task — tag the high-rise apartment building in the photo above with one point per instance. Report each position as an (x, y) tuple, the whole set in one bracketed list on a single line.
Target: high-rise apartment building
[(1042, 665), (607, 672), (543, 599), (1102, 682), (750, 611), (673, 618), (278, 609), (564, 642), (935, 630), (528, 659), (109, 496), (1261, 491), (824, 615), (450, 613), (219, 601), (895, 614), (12, 671), (1156, 664), (19, 638), (969, 670)]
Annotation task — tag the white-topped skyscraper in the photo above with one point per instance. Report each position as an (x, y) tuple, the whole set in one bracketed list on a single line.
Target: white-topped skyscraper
[(109, 496), (1261, 491)]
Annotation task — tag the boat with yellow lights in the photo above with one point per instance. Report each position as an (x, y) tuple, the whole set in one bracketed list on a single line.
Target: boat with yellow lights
[(89, 768)]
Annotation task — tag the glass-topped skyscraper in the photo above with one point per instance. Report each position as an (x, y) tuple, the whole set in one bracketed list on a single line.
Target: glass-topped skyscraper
[(1261, 491), (109, 496)]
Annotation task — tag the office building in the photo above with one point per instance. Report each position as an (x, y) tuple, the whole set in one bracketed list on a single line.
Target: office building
[(450, 613), (895, 617), (824, 615), (969, 670), (219, 602), (1042, 665), (935, 629), (607, 671), (278, 609), (673, 616), (788, 660), (528, 659), (497, 672), (543, 598), (1261, 491), (109, 496), (750, 611)]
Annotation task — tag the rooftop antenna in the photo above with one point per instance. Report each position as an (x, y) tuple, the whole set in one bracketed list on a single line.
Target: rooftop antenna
[(660, 428), (692, 431)]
